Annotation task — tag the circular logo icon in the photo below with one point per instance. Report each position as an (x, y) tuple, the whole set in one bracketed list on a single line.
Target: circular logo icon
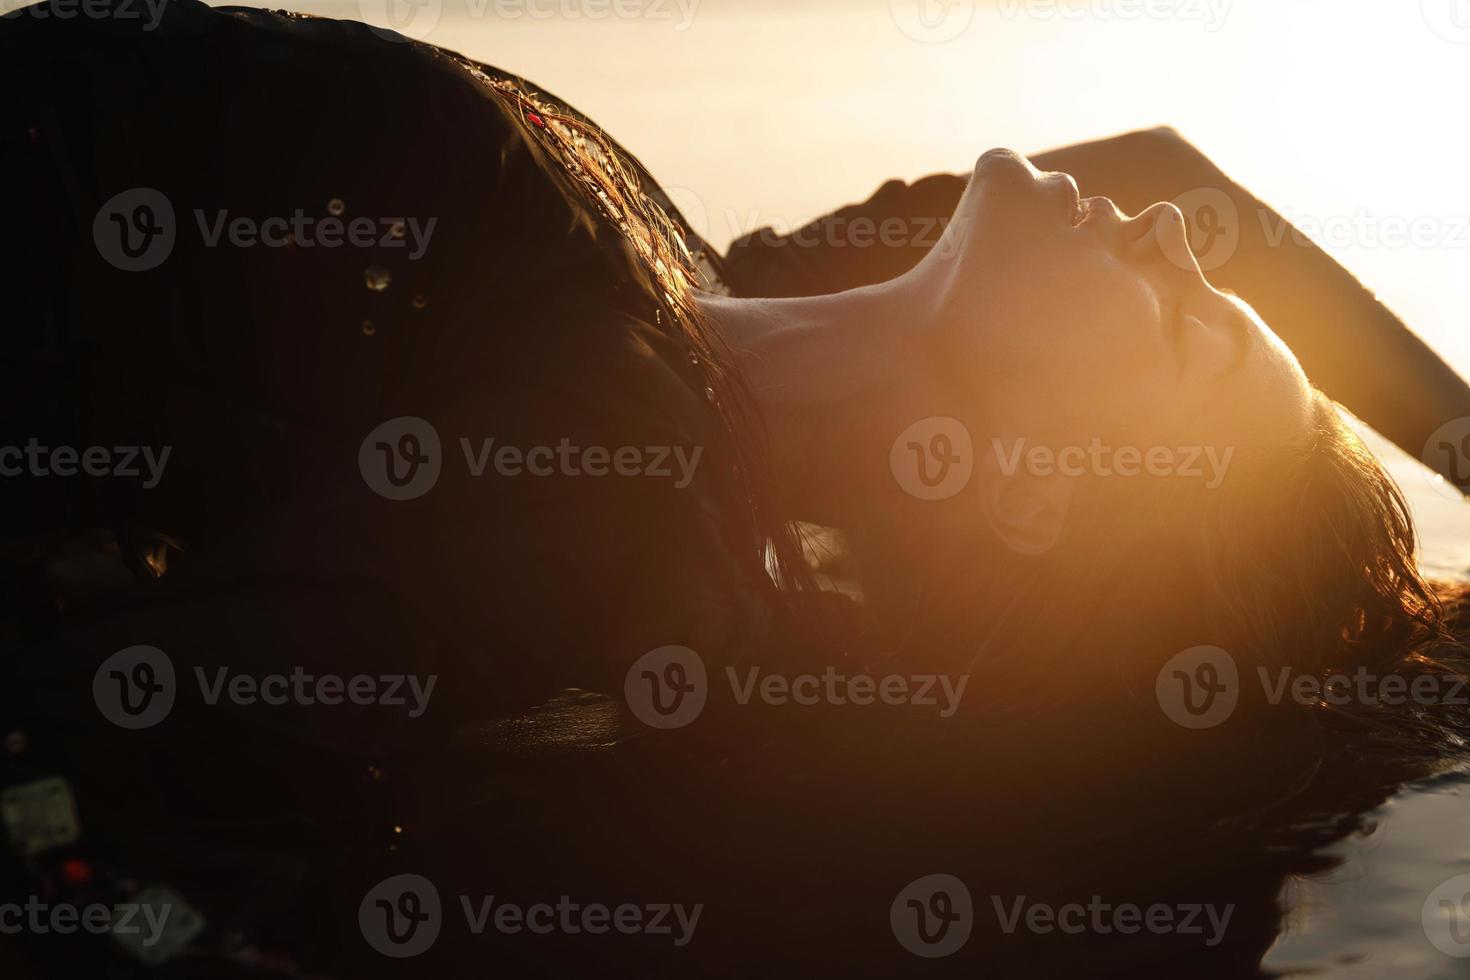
[(401, 20), (1446, 917), (933, 458), (1450, 19), (1213, 223), (1198, 687), (135, 230), (689, 206), (401, 458), (135, 688), (401, 916), (932, 916), (1447, 451), (667, 687), (932, 21)]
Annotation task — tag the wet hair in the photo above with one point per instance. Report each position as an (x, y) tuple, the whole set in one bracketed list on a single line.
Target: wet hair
[(1302, 559), (610, 180)]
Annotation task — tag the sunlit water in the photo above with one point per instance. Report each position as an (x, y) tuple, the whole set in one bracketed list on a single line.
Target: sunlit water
[(1347, 115)]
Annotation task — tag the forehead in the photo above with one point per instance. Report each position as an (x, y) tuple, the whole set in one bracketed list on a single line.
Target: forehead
[(1269, 398)]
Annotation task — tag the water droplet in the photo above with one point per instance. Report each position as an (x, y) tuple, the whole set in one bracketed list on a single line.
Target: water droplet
[(368, 329), (709, 393), (376, 278), (694, 358), (419, 301), (336, 206)]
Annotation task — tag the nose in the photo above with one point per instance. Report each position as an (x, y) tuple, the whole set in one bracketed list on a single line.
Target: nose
[(1159, 237)]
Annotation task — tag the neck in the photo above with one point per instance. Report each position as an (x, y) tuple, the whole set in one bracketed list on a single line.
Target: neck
[(835, 379)]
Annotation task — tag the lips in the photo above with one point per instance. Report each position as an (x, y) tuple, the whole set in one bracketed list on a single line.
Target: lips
[(1091, 210)]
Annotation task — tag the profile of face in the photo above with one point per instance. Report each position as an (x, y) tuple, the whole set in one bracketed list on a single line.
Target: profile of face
[(1106, 322), (1099, 331)]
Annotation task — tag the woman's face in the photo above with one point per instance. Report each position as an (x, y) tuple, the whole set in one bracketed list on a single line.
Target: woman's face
[(1103, 327)]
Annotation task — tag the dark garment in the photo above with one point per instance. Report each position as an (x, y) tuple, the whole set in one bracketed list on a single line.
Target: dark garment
[(857, 245), (527, 320)]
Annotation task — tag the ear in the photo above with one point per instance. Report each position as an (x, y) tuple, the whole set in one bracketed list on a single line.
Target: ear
[(1027, 510)]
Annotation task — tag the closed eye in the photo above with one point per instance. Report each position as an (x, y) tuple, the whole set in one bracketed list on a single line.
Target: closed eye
[(1179, 327)]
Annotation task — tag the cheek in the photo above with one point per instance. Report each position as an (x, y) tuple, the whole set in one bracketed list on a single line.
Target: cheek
[(1085, 330)]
